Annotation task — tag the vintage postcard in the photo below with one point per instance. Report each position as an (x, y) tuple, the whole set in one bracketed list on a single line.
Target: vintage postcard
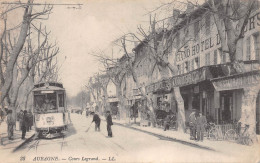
[(129, 81)]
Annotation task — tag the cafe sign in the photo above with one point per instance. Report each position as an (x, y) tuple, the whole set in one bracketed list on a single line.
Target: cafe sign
[(162, 85), (189, 78), (237, 81)]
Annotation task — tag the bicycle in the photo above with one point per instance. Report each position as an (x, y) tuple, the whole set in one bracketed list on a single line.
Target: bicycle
[(214, 133), (235, 136)]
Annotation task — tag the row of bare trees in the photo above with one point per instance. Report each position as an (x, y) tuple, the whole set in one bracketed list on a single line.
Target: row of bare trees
[(27, 53), (230, 19)]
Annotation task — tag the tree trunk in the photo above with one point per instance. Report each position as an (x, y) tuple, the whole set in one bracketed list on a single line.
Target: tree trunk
[(16, 51), (181, 111), (248, 110)]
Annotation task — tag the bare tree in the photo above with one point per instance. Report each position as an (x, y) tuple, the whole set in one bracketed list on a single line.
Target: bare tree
[(15, 51)]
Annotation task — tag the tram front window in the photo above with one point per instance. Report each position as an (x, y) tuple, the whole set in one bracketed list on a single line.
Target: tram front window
[(45, 103)]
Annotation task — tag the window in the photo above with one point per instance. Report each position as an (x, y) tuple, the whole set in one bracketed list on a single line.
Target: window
[(186, 68), (207, 59), (179, 71), (197, 63), (248, 48), (178, 40), (196, 30), (215, 57), (207, 24), (256, 46), (223, 56), (192, 64), (182, 68), (61, 100)]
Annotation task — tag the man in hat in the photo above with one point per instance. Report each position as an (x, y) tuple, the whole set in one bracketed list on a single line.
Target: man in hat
[(192, 123), (96, 119), (109, 124), (200, 126), (20, 119)]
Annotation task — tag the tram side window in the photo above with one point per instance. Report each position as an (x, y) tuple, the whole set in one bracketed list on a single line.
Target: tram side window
[(61, 100)]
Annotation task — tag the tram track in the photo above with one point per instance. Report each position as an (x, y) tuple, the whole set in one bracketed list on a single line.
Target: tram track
[(33, 143)]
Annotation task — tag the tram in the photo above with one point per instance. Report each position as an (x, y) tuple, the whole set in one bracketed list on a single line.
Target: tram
[(51, 117)]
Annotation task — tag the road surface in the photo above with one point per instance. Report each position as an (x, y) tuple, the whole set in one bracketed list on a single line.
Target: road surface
[(127, 145)]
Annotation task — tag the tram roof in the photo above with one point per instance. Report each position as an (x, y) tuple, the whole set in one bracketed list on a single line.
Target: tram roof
[(44, 84), (50, 88)]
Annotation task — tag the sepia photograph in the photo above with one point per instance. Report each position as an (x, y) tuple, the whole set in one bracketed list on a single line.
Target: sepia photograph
[(129, 81)]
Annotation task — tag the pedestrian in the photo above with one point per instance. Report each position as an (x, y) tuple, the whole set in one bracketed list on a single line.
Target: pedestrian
[(20, 119), (24, 123), (2, 114), (30, 119), (96, 119), (167, 122), (10, 124), (192, 124), (201, 123), (109, 124)]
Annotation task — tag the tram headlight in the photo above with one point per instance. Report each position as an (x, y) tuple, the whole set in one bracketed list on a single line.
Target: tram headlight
[(50, 120)]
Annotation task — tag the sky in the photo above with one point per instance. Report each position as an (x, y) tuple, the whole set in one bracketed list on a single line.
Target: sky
[(79, 32)]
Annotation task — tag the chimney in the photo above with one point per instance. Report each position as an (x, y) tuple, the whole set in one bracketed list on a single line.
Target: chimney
[(190, 8), (175, 15)]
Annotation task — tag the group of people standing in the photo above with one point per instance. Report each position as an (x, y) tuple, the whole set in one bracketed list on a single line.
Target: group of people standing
[(25, 122), (197, 123), (97, 121)]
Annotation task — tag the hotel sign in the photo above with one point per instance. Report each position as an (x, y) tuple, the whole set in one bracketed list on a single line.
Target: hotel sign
[(237, 82), (178, 81), (162, 85), (190, 78)]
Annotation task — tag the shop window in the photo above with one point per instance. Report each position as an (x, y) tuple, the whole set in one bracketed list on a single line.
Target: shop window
[(215, 57), (207, 23), (207, 59), (256, 45), (248, 48)]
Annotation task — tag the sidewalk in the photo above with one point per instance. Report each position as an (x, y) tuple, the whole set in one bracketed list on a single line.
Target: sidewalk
[(10, 145), (225, 147)]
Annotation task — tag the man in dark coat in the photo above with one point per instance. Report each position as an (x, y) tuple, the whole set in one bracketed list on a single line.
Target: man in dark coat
[(20, 119), (30, 118), (200, 126), (96, 119), (109, 124), (192, 124), (167, 122), (25, 122)]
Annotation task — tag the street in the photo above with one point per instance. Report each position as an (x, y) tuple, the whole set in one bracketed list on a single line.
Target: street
[(127, 145)]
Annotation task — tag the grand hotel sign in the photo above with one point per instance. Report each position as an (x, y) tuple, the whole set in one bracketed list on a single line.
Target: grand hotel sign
[(239, 81), (178, 81), (189, 78)]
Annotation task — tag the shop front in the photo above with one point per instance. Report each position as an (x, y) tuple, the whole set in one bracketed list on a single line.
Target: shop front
[(195, 90), (238, 99), (113, 105), (163, 99)]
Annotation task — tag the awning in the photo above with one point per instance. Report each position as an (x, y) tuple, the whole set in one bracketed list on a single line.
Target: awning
[(238, 81)]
